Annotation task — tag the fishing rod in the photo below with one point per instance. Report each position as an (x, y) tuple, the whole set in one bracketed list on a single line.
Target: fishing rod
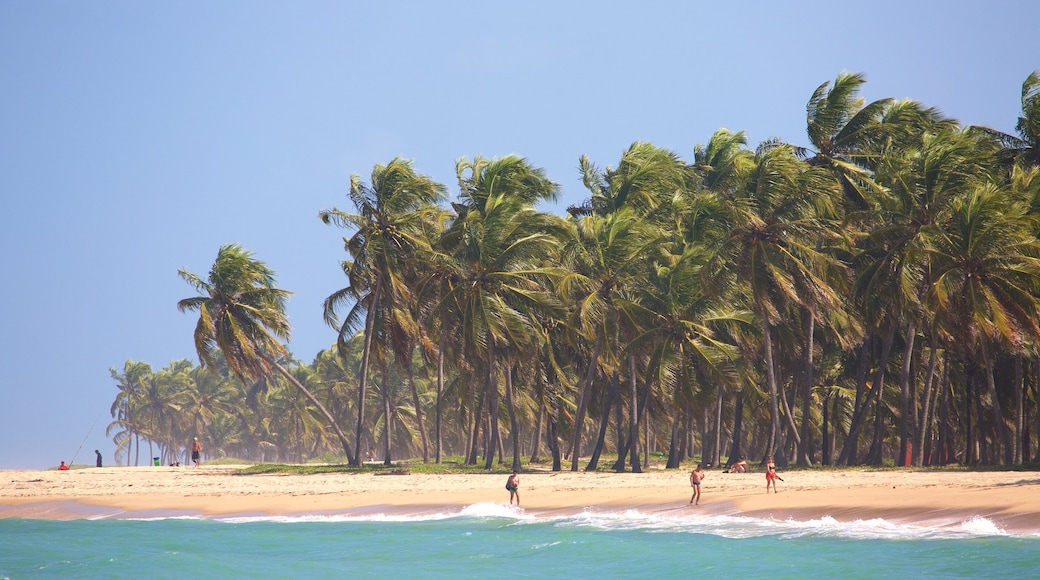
[(85, 439)]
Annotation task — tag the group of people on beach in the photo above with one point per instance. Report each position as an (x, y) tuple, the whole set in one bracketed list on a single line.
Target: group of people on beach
[(696, 477), (741, 466), (196, 457)]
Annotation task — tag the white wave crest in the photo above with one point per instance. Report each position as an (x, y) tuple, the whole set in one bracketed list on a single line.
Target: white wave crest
[(674, 521)]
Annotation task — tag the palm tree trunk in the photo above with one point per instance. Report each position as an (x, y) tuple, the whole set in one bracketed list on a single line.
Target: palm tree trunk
[(370, 318), (673, 450), (944, 446), (314, 400), (478, 419), (492, 405), (849, 451), (774, 403), (805, 451), (418, 413), (440, 390), (1037, 408), (716, 427), (998, 415), (583, 400), (387, 419), (791, 427), (553, 438), (536, 435), (738, 419), (633, 417), (604, 421), (924, 425), (905, 455), (1020, 409), (514, 427)]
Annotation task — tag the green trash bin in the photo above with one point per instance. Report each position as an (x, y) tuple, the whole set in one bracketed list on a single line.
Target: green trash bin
[(156, 461)]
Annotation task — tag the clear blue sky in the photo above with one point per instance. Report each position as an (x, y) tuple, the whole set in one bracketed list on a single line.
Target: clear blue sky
[(137, 137)]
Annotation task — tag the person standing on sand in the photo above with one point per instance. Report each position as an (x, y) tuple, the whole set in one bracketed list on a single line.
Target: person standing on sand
[(513, 485), (98, 453), (696, 477), (63, 467), (770, 474), (196, 451)]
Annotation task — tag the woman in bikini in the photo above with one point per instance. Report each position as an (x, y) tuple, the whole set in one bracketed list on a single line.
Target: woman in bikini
[(770, 474)]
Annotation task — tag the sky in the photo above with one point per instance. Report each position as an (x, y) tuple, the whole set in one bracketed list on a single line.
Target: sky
[(136, 138)]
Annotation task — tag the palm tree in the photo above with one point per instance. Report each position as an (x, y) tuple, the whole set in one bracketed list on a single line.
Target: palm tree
[(609, 257), (1023, 149), (680, 323), (921, 182), (242, 314), (841, 129), (130, 381), (772, 247), (986, 274), (497, 246), (388, 230)]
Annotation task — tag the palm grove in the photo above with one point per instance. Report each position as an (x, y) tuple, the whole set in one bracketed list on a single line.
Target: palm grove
[(871, 297)]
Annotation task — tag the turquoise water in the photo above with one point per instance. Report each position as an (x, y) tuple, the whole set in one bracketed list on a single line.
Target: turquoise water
[(493, 541)]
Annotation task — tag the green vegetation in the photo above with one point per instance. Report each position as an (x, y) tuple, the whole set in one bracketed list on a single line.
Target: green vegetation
[(871, 297)]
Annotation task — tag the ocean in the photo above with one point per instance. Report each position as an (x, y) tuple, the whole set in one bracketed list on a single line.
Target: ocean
[(498, 541)]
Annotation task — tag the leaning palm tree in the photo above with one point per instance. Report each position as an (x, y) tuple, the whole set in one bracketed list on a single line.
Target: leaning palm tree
[(130, 381), (772, 247), (1023, 148), (388, 230), (841, 128), (608, 257), (242, 314), (986, 274), (497, 247)]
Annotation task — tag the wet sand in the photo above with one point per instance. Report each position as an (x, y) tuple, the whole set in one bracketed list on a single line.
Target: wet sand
[(1011, 500)]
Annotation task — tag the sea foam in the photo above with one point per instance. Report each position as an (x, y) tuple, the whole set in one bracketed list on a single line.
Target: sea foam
[(678, 520)]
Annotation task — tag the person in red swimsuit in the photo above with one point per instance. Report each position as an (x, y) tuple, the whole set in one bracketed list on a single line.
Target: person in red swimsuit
[(63, 467), (770, 474)]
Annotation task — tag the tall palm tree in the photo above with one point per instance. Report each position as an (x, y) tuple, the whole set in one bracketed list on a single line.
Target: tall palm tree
[(772, 247), (680, 323), (388, 230), (130, 382), (1024, 148), (841, 129), (242, 314), (986, 275), (498, 244), (608, 257)]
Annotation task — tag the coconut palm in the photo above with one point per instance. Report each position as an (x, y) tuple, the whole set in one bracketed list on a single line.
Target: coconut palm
[(680, 324), (242, 314), (130, 382), (497, 246), (388, 230), (772, 247), (608, 257), (841, 128), (986, 274), (1023, 148)]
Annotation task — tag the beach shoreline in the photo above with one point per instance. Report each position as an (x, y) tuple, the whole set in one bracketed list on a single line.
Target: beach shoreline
[(1008, 499)]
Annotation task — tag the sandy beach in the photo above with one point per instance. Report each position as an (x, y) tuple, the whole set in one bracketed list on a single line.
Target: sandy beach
[(1011, 500)]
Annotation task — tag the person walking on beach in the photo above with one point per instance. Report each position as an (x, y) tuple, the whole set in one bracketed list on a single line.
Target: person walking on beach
[(98, 453), (513, 485), (770, 474), (196, 452), (696, 477)]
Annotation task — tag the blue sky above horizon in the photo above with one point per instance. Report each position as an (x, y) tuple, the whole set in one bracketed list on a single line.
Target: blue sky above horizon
[(136, 138)]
